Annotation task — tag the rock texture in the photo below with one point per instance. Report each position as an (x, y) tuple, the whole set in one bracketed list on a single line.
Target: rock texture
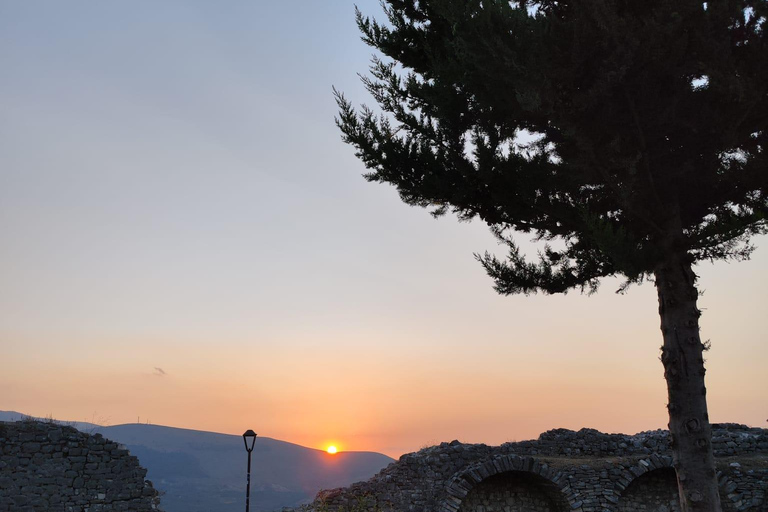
[(49, 467), (562, 471)]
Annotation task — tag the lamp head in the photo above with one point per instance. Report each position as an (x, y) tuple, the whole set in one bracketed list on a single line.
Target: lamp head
[(249, 438)]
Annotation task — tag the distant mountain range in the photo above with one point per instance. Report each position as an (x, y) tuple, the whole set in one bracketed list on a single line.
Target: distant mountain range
[(205, 472)]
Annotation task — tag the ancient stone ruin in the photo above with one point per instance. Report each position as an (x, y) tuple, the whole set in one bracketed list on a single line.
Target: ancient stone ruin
[(562, 471), (48, 467)]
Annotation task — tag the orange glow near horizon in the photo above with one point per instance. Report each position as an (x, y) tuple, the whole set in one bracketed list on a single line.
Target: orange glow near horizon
[(405, 387)]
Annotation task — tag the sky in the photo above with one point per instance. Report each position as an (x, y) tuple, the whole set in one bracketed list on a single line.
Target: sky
[(185, 240)]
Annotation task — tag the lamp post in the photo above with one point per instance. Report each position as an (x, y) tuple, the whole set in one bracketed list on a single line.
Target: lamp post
[(249, 436)]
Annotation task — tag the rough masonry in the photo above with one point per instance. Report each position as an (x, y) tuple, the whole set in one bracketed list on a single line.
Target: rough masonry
[(45, 466), (561, 471)]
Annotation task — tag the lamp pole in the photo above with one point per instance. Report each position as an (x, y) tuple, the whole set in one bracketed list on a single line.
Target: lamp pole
[(249, 435)]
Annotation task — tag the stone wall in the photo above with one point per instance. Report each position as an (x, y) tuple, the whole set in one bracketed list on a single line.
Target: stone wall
[(49, 467), (591, 472)]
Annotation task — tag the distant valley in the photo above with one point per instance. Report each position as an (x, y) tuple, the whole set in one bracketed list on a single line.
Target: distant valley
[(205, 471)]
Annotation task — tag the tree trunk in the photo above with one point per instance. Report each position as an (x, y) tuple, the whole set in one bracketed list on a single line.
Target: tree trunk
[(682, 356)]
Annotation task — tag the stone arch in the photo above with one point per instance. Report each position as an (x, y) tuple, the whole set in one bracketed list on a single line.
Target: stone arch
[(642, 467), (730, 497), (654, 490), (655, 463), (525, 471)]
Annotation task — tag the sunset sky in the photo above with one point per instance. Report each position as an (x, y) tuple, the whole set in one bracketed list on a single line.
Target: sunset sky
[(184, 239)]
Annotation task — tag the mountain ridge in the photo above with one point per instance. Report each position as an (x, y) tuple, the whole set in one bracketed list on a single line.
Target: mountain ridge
[(200, 471)]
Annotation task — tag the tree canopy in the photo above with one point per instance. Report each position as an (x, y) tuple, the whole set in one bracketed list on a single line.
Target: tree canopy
[(622, 129)]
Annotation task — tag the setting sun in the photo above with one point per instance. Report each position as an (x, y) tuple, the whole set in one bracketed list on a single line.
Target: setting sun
[(332, 450)]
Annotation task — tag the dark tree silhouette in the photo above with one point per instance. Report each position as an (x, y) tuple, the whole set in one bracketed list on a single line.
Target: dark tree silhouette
[(629, 133)]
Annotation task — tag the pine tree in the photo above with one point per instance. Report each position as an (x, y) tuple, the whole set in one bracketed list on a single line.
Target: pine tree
[(628, 136)]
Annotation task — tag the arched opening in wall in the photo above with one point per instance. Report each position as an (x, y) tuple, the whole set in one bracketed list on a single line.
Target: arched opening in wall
[(515, 491), (654, 491)]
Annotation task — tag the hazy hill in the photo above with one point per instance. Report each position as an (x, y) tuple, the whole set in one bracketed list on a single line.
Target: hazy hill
[(205, 472), (82, 426)]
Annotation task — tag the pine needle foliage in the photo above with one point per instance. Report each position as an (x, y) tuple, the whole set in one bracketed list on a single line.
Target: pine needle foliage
[(622, 129)]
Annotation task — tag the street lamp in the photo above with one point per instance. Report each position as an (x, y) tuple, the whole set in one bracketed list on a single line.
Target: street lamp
[(248, 437)]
